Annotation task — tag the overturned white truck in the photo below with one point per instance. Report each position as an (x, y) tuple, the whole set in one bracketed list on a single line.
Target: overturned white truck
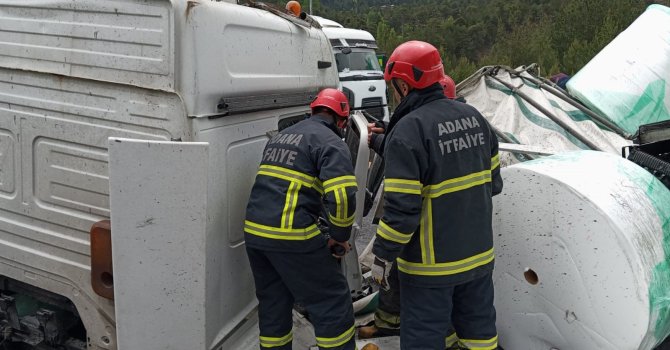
[(151, 114)]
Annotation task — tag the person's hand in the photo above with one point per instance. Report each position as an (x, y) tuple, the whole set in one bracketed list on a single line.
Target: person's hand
[(380, 272), (373, 129), (338, 249)]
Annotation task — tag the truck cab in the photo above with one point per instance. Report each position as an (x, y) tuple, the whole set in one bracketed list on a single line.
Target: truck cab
[(360, 71), (130, 135)]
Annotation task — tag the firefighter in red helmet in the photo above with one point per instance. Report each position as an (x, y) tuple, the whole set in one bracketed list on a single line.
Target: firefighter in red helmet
[(448, 86), (304, 169), (441, 170)]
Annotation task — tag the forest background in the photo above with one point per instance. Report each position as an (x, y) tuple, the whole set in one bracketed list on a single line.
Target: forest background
[(559, 35)]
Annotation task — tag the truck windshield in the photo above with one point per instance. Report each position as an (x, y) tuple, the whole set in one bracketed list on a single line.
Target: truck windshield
[(357, 60)]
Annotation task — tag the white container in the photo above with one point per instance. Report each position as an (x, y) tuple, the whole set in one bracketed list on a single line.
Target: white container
[(582, 255)]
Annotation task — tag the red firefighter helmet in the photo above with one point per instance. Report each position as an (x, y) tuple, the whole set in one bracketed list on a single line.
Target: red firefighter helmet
[(418, 63), (449, 87), (332, 99)]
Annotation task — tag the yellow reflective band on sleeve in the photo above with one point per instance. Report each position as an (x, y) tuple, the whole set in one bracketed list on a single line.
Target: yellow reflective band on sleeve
[(345, 204), (495, 161), (403, 186), (273, 342), (451, 340), (318, 186), (289, 234), (290, 205), (448, 268), (385, 231), (476, 344), (341, 222), (338, 204), (339, 182), (336, 341), (287, 174), (457, 184)]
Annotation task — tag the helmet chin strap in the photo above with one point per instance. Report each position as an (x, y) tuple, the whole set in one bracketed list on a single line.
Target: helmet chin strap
[(397, 88)]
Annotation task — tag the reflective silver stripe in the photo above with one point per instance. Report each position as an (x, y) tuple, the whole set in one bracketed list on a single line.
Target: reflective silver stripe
[(402, 186), (272, 342), (290, 204), (448, 268), (476, 344), (457, 184), (339, 182), (336, 341), (451, 339), (341, 222), (279, 232), (345, 203), (389, 319), (426, 230), (287, 174), (338, 204), (387, 232), (495, 161)]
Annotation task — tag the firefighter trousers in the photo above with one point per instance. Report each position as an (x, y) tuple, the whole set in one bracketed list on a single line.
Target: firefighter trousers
[(313, 280), (387, 316), (427, 314)]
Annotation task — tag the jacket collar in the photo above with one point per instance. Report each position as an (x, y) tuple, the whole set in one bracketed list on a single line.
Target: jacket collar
[(414, 100)]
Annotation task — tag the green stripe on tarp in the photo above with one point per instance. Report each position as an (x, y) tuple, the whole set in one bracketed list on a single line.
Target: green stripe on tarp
[(579, 116), (536, 119)]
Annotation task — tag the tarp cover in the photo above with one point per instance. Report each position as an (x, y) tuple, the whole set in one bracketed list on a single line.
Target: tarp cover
[(507, 111), (629, 80)]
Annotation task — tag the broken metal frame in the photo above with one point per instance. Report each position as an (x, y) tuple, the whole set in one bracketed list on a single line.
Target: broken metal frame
[(563, 95), (516, 90)]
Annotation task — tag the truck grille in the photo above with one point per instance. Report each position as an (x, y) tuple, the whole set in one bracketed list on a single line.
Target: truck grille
[(374, 106)]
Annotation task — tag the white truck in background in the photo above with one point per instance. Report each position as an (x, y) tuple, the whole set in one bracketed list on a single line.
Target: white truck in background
[(130, 134), (361, 73)]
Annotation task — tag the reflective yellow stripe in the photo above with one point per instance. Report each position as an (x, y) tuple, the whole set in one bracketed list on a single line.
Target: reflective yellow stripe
[(339, 182), (488, 344), (289, 234), (495, 161), (287, 174), (448, 268), (426, 231), (318, 186), (345, 203), (290, 205), (336, 341), (338, 205), (457, 184), (387, 319), (402, 186), (341, 222), (385, 231), (273, 342), (451, 339), (294, 205)]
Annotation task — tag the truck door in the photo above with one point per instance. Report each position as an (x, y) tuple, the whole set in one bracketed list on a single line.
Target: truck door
[(357, 140), (158, 201)]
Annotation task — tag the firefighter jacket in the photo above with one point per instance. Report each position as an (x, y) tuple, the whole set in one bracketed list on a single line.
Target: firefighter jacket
[(442, 168), (306, 172)]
